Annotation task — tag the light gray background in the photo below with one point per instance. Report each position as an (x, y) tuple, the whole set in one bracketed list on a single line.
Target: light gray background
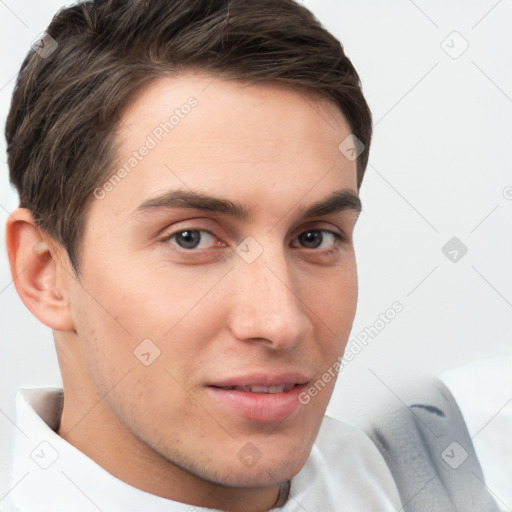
[(439, 168)]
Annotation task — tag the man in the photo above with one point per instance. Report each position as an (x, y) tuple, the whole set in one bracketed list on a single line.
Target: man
[(188, 175)]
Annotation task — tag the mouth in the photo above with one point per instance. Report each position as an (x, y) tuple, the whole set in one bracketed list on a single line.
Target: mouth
[(259, 398)]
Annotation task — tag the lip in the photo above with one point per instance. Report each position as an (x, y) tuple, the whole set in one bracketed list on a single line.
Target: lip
[(262, 379), (260, 407)]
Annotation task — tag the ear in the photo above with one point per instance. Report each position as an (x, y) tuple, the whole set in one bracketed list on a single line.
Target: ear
[(35, 269)]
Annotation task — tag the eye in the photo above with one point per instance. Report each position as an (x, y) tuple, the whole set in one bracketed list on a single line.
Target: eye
[(318, 239), (193, 239)]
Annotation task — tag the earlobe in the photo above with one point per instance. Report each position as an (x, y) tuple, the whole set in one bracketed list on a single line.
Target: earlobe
[(35, 270)]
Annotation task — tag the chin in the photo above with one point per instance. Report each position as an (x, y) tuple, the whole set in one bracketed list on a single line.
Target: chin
[(266, 475), (266, 472), (232, 471)]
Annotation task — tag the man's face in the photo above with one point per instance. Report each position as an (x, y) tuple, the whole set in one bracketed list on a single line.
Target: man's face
[(244, 299)]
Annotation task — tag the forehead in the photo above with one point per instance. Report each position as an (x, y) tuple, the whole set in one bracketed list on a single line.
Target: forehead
[(214, 93), (195, 131)]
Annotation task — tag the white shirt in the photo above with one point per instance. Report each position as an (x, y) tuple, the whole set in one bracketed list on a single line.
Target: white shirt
[(344, 471)]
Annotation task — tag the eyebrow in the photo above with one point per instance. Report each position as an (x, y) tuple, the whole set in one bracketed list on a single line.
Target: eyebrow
[(193, 200), (338, 201)]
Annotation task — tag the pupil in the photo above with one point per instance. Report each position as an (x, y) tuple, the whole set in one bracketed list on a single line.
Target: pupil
[(311, 239), (188, 239)]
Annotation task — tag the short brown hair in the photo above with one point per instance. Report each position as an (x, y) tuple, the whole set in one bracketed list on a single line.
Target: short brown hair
[(65, 109)]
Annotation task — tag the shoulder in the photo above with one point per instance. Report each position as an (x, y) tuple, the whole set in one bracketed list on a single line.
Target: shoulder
[(429, 452), (344, 466)]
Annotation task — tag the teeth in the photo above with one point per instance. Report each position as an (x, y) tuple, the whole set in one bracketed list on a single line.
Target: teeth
[(283, 388), (266, 389)]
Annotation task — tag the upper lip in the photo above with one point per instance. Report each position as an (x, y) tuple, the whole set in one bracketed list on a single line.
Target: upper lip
[(262, 379)]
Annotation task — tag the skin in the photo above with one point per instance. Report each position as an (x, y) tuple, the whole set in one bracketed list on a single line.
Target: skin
[(211, 314)]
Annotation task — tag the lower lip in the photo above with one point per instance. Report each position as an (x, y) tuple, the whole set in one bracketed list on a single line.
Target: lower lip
[(262, 407)]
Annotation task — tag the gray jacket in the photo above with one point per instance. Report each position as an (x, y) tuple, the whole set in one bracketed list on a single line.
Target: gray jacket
[(429, 451)]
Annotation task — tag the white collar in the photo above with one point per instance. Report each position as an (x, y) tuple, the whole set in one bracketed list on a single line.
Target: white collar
[(51, 475)]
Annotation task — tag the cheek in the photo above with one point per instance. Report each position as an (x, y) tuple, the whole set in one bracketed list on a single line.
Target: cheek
[(139, 388), (333, 307), (110, 321), (106, 344), (117, 310), (332, 297)]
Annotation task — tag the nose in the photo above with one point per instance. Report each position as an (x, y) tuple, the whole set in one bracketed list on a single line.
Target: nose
[(267, 308)]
